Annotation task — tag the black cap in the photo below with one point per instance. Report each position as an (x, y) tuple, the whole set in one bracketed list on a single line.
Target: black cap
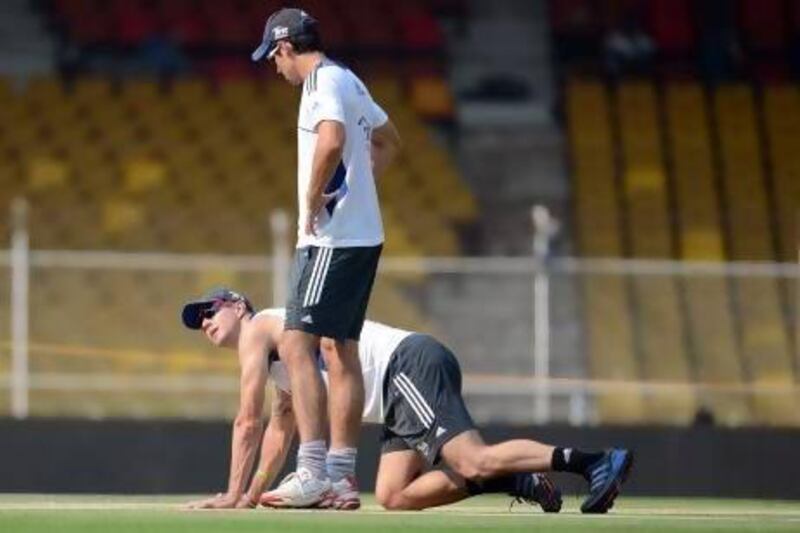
[(283, 24), (193, 311)]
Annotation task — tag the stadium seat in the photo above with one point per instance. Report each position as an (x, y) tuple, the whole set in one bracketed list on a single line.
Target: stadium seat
[(782, 122), (763, 24), (763, 336), (670, 25), (655, 298), (431, 97), (710, 324), (606, 312)]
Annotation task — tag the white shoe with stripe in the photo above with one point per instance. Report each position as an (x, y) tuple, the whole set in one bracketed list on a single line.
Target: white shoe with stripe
[(299, 489)]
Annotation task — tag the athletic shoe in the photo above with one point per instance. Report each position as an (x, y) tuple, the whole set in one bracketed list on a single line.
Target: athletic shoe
[(298, 489), (343, 495), (606, 477), (537, 489)]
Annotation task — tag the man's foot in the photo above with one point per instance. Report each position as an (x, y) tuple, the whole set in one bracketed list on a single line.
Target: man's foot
[(298, 489), (606, 477), (343, 495), (537, 488)]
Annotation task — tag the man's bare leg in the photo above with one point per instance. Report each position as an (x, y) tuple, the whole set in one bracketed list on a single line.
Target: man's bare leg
[(346, 395), (472, 458), (345, 408), (464, 452), (298, 350), (402, 486)]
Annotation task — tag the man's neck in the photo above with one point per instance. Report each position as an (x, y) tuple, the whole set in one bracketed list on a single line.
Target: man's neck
[(306, 63)]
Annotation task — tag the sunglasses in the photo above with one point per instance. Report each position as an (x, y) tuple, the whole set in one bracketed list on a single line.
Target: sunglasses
[(212, 311)]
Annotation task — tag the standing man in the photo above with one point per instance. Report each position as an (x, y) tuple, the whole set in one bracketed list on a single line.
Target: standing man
[(344, 139)]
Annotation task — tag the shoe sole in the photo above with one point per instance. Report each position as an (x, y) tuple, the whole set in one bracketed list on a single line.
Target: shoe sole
[(340, 504), (552, 497), (606, 500), (278, 503), (346, 505)]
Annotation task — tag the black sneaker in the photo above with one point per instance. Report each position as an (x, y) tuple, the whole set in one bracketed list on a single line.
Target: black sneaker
[(606, 477), (537, 489)]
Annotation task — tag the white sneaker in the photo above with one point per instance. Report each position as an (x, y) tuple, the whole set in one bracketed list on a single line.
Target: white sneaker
[(298, 489), (343, 495)]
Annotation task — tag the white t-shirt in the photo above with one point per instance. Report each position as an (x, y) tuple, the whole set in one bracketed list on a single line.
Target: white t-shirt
[(378, 343), (353, 218)]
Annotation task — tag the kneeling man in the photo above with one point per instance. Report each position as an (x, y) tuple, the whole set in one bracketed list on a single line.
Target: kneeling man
[(431, 452)]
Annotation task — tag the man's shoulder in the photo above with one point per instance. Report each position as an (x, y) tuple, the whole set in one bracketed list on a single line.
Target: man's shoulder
[(261, 330), (335, 76)]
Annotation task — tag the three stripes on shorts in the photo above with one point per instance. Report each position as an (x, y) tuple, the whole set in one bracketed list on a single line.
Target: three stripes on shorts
[(414, 399), (318, 274)]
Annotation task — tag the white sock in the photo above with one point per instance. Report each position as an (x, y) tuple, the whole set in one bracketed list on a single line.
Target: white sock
[(341, 462), (311, 455)]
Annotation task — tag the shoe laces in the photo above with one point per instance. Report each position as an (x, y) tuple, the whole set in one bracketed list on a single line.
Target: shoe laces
[(525, 489)]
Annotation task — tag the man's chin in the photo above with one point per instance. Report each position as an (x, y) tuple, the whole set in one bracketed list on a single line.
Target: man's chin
[(219, 342)]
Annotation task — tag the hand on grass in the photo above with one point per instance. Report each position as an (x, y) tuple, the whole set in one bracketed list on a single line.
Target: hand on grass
[(220, 501)]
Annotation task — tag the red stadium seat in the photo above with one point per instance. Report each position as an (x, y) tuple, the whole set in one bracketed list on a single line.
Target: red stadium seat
[(419, 30), (574, 17), (670, 25), (183, 22), (763, 23), (134, 22), (372, 25), (232, 27), (86, 21)]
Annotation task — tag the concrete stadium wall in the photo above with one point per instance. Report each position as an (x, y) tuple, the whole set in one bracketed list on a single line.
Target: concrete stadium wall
[(147, 457)]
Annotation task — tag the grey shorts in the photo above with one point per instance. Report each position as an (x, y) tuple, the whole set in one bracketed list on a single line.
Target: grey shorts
[(329, 290), (423, 407)]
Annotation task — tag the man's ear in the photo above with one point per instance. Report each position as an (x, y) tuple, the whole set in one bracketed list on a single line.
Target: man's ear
[(241, 309)]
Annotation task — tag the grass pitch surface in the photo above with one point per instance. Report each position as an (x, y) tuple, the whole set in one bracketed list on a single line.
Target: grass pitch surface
[(25, 513)]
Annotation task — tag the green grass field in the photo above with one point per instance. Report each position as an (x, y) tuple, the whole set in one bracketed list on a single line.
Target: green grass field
[(23, 513)]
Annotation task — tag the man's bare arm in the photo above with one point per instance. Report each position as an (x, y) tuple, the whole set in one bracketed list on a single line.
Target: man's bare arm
[(246, 431), (385, 143), (247, 426), (275, 445), (331, 137)]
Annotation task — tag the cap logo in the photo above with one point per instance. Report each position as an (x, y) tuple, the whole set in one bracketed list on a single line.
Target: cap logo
[(280, 32)]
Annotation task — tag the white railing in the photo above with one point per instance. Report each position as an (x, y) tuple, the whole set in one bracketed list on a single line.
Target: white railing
[(534, 275)]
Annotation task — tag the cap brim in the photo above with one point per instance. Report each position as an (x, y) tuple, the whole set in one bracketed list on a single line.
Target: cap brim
[(263, 50), (192, 314)]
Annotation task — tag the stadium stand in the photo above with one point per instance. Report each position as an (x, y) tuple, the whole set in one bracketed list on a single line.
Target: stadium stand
[(758, 328), (763, 337), (708, 307), (698, 163), (160, 134), (143, 147), (608, 326), (654, 298)]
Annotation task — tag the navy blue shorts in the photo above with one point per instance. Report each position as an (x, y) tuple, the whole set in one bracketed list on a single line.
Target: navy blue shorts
[(422, 404), (329, 290)]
